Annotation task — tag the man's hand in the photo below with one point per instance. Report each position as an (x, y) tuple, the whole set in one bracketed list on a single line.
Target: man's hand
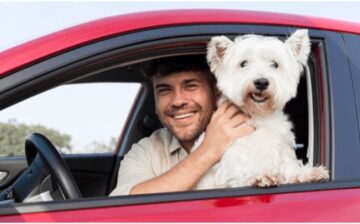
[(226, 125)]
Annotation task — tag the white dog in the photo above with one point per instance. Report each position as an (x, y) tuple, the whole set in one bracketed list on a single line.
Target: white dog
[(260, 75)]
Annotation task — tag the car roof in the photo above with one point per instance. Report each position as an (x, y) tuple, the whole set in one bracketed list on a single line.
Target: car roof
[(50, 45)]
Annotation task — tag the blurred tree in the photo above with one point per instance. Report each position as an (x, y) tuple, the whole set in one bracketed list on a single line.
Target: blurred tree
[(101, 147), (13, 135)]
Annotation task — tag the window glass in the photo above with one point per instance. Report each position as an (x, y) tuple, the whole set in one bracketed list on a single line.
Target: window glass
[(77, 118)]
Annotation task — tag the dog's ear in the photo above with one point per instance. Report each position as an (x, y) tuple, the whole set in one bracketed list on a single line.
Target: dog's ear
[(216, 49), (299, 43)]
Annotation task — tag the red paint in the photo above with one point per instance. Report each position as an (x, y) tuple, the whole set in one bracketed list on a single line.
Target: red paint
[(329, 206), (55, 43)]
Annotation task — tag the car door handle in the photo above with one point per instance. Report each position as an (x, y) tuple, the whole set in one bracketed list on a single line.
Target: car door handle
[(3, 175)]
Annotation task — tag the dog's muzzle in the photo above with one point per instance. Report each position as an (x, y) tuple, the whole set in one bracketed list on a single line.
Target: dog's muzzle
[(259, 94)]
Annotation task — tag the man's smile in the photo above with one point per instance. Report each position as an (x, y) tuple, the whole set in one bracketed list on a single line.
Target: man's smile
[(184, 115)]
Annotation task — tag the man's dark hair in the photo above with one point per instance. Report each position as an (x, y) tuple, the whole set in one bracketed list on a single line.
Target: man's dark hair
[(174, 64)]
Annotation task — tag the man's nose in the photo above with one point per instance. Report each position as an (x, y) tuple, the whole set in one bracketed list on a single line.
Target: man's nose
[(179, 99)]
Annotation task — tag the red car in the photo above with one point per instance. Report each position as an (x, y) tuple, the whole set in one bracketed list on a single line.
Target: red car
[(325, 114)]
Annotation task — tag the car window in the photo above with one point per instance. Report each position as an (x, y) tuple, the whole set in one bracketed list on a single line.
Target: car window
[(77, 118)]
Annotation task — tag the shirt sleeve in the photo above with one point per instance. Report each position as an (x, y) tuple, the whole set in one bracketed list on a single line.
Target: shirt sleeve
[(136, 167)]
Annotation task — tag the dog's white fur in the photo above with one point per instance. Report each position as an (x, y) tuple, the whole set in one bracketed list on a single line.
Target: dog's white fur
[(266, 157)]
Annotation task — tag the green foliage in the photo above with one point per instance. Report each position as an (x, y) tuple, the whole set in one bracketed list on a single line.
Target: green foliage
[(13, 135)]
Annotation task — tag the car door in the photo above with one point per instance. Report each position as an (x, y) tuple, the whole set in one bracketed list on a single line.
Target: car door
[(332, 121)]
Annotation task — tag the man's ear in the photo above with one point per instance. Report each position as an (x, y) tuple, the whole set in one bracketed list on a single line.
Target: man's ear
[(216, 49), (299, 43)]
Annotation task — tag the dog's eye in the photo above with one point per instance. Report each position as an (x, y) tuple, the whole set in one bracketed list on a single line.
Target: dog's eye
[(243, 64), (274, 64)]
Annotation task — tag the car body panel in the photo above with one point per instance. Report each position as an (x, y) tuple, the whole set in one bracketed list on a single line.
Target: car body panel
[(76, 36), (330, 206)]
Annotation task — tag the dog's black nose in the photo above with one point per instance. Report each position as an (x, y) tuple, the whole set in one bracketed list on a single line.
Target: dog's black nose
[(261, 84)]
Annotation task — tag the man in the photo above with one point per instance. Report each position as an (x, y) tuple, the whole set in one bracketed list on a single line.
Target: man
[(185, 98)]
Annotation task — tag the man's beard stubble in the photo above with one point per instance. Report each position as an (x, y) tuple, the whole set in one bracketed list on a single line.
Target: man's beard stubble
[(196, 131)]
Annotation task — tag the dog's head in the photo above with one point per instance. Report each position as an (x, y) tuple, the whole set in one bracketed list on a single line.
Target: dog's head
[(259, 73)]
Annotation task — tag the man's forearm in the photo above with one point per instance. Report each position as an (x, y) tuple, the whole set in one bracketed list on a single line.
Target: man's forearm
[(182, 177)]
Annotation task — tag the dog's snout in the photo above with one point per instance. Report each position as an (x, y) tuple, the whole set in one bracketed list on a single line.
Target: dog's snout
[(261, 84)]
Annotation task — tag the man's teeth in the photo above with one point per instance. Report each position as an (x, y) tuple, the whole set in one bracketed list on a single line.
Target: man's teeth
[(181, 116)]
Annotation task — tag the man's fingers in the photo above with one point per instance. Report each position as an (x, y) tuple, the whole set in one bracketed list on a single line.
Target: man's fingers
[(227, 110), (244, 129), (231, 111), (223, 107), (238, 119)]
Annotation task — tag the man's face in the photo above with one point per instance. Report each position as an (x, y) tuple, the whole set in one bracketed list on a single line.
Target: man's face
[(184, 103)]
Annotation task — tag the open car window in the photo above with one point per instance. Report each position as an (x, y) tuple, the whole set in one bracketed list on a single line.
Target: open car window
[(77, 118)]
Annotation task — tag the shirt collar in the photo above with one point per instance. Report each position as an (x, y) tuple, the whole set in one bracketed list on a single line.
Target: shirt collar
[(174, 144)]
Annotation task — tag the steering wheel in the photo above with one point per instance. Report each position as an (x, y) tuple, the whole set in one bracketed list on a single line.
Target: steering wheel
[(43, 160)]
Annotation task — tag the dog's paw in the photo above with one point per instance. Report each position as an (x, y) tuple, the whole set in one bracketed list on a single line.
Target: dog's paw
[(311, 174), (318, 174), (266, 181)]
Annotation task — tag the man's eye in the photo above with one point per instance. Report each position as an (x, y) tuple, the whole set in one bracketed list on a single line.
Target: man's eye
[(191, 86), (162, 91), (274, 64)]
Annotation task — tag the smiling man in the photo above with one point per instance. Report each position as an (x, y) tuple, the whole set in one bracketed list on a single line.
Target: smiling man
[(168, 161)]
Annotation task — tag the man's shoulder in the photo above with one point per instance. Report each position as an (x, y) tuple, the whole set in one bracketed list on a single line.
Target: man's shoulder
[(159, 142)]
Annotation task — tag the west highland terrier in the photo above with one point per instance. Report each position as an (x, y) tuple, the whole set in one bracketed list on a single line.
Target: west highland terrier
[(260, 74)]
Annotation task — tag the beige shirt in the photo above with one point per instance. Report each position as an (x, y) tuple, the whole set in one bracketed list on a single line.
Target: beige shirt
[(151, 157)]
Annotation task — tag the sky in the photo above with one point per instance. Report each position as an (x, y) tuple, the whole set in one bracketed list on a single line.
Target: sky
[(23, 21)]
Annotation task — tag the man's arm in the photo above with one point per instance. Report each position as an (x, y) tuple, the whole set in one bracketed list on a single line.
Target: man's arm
[(183, 176), (226, 125)]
